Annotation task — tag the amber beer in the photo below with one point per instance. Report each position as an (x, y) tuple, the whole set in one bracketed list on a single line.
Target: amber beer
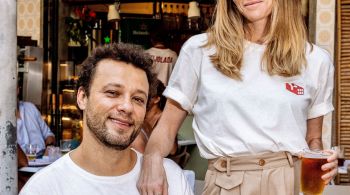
[(311, 173), (31, 157)]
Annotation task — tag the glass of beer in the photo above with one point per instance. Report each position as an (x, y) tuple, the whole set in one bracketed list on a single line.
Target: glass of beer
[(31, 151), (311, 172), (65, 146), (341, 157)]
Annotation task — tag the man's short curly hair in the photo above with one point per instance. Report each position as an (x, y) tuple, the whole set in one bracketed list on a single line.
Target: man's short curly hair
[(128, 53)]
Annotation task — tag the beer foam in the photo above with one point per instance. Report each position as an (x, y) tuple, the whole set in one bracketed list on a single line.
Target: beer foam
[(316, 155)]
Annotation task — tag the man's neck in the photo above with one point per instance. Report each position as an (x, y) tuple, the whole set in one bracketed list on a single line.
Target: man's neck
[(100, 160), (159, 46)]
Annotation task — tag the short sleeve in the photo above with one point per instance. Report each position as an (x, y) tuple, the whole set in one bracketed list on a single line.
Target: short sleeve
[(322, 100), (184, 80), (177, 181)]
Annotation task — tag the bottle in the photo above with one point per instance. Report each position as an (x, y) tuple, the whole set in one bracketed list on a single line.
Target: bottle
[(96, 34), (177, 18)]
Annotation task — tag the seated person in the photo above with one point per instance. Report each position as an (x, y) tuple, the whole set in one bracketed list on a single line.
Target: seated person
[(154, 111), (31, 128), (114, 86), (21, 157)]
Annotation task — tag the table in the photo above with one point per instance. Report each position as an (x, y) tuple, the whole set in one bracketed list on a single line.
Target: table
[(186, 142), (336, 190), (329, 190), (30, 169)]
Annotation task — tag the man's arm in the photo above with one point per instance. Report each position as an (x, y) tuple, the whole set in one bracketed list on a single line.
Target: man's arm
[(50, 140), (152, 178), (22, 158)]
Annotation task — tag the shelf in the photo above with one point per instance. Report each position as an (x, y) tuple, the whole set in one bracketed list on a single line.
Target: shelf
[(90, 2)]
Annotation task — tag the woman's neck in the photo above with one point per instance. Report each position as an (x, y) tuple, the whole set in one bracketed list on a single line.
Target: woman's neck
[(257, 31)]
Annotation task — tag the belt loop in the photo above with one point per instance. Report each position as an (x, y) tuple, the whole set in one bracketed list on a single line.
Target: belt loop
[(290, 159), (228, 166)]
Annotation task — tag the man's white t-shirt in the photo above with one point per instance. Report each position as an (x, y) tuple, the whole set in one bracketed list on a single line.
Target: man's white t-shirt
[(163, 62), (260, 113), (64, 177)]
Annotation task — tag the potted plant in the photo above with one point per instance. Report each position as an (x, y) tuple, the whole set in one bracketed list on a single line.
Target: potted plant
[(79, 25)]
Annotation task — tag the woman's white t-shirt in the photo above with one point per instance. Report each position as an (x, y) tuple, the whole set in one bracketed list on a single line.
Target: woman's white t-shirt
[(260, 113)]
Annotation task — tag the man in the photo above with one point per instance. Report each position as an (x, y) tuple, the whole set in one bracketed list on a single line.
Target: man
[(32, 129), (114, 87), (164, 58)]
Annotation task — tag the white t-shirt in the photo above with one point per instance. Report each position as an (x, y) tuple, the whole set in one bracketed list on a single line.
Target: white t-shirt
[(259, 114), (163, 62), (64, 177)]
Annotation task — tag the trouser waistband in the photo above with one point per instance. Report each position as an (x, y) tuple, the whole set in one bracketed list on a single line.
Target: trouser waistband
[(252, 162)]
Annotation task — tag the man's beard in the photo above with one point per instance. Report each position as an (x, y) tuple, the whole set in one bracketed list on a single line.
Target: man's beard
[(98, 127)]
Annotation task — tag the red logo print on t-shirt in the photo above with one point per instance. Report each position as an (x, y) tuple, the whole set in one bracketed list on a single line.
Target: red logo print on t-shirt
[(294, 88)]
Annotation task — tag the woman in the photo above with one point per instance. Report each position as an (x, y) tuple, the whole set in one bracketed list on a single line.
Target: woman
[(258, 91)]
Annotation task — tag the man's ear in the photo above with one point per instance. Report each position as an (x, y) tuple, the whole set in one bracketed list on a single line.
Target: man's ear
[(81, 98), (155, 100)]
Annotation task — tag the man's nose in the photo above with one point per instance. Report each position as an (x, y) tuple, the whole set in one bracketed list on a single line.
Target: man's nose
[(125, 106)]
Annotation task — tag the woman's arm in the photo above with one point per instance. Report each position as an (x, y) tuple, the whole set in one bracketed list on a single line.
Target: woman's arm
[(314, 133), (152, 178), (314, 140)]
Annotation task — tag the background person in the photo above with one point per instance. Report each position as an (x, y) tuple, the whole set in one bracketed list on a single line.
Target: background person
[(164, 58), (31, 128), (154, 111), (155, 108), (258, 91), (114, 86)]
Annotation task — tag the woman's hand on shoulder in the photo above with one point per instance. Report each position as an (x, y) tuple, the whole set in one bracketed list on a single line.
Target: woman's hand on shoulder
[(152, 178)]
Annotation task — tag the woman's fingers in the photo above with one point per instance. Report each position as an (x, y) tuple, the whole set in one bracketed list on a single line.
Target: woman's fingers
[(331, 166)]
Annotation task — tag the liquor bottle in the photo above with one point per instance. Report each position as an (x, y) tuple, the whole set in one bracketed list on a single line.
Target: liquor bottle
[(97, 34)]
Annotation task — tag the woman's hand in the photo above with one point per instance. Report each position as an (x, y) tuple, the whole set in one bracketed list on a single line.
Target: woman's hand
[(331, 166), (152, 180)]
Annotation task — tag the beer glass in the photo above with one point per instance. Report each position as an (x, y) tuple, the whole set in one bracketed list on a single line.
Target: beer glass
[(65, 146), (311, 172), (341, 157), (31, 151)]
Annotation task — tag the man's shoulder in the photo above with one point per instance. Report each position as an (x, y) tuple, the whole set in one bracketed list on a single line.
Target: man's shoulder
[(46, 177), (171, 165), (27, 104)]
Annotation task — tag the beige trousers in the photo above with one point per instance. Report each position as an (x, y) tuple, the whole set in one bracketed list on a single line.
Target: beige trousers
[(265, 174)]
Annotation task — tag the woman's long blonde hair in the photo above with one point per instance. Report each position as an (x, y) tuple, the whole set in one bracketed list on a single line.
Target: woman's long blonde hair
[(285, 39)]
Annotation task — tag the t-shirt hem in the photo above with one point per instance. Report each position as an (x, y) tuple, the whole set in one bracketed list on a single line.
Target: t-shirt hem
[(179, 97), (320, 110)]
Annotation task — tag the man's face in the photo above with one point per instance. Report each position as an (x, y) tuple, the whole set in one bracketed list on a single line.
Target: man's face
[(116, 106)]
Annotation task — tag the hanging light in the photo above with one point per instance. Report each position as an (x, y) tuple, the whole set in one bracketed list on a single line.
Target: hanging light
[(113, 12), (193, 10)]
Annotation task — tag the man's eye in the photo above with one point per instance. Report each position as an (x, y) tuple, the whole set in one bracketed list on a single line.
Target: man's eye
[(112, 93), (140, 100)]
